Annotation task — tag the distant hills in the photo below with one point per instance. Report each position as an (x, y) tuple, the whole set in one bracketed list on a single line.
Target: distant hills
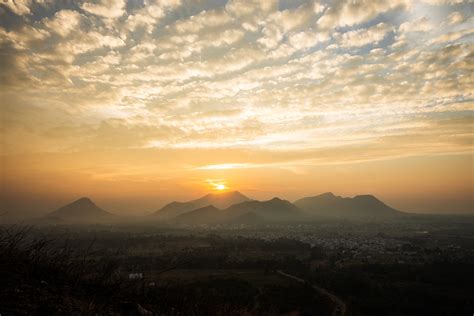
[(81, 210), (235, 208), (360, 206), (274, 210), (219, 200), (204, 215)]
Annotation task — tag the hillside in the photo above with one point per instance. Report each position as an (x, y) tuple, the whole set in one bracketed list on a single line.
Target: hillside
[(204, 215), (275, 209), (249, 212), (360, 206), (81, 210), (219, 200)]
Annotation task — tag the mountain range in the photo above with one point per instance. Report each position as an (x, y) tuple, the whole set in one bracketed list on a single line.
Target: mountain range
[(274, 210), (219, 200), (330, 205), (235, 208)]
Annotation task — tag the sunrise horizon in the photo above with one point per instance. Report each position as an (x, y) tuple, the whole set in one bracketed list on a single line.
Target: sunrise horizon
[(237, 157), (139, 103)]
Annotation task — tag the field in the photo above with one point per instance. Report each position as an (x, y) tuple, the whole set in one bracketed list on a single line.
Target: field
[(325, 269)]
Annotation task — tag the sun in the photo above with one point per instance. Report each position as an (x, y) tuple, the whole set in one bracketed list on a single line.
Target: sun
[(220, 187), (217, 184)]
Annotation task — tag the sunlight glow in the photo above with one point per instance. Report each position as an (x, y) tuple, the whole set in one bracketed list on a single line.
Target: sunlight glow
[(224, 166), (217, 185)]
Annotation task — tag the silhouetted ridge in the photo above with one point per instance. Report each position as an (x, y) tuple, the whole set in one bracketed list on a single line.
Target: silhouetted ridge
[(208, 209), (219, 200), (83, 210), (327, 195), (360, 206), (275, 209), (174, 209), (248, 212), (203, 215), (83, 201)]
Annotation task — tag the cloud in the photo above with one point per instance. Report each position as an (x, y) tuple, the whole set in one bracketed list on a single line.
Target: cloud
[(18, 7), (226, 166), (243, 8), (238, 76), (105, 8), (280, 23), (304, 40), (455, 18), (348, 13), (131, 97), (143, 20), (361, 37), (63, 22), (202, 21), (443, 2), (451, 36), (420, 25)]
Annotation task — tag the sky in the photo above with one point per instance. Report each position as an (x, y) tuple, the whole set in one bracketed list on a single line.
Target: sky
[(137, 103)]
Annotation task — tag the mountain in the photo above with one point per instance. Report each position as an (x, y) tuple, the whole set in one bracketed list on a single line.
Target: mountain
[(360, 206), (174, 209), (248, 212), (275, 209), (204, 215), (219, 200), (81, 210)]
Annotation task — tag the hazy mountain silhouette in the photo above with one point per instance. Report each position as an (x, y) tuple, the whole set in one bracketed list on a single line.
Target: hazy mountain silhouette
[(174, 209), (83, 210), (360, 206), (234, 207), (272, 210), (219, 200), (204, 215), (275, 209)]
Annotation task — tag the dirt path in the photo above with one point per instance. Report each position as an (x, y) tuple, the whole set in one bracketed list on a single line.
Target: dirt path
[(339, 305)]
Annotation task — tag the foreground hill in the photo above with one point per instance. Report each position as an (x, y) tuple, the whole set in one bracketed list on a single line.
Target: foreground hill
[(360, 206), (219, 200), (81, 210), (249, 212)]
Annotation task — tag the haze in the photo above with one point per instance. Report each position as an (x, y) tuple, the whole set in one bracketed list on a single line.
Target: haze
[(139, 104)]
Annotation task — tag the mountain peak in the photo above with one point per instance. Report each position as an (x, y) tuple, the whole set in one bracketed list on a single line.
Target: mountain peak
[(203, 215), (226, 193), (275, 209), (83, 201), (327, 194), (82, 209), (366, 197), (220, 200), (328, 204), (276, 201), (209, 208)]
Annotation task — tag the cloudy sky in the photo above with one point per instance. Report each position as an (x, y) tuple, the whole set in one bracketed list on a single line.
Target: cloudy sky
[(136, 103)]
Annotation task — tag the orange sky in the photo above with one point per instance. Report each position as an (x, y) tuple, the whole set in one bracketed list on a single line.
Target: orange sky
[(423, 183), (137, 105)]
